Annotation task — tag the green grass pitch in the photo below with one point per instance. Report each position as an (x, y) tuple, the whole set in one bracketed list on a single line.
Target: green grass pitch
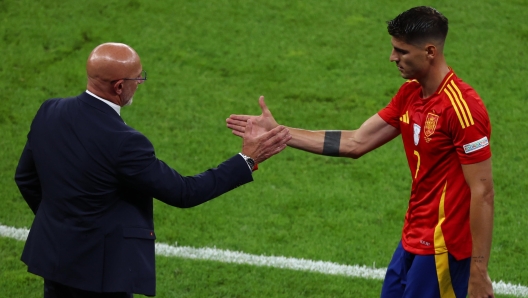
[(321, 65)]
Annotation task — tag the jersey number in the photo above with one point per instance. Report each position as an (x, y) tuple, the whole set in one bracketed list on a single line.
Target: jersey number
[(417, 164)]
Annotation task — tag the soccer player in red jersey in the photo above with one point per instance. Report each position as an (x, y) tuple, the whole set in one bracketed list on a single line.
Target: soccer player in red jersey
[(445, 128)]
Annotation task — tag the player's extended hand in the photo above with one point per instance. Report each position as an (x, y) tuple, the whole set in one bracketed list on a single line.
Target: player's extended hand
[(480, 285), (261, 146), (261, 124)]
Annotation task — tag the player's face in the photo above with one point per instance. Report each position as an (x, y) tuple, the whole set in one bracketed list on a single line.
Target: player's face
[(411, 60)]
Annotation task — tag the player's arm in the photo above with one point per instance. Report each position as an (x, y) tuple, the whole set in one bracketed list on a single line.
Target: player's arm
[(347, 143), (480, 180)]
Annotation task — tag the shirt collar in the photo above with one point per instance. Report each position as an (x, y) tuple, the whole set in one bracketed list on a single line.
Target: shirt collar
[(111, 104)]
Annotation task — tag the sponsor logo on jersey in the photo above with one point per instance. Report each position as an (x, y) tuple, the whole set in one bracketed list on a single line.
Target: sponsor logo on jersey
[(477, 145), (416, 129)]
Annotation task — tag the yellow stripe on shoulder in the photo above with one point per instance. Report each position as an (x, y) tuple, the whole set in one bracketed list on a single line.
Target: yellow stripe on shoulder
[(470, 117), (447, 80), (459, 104)]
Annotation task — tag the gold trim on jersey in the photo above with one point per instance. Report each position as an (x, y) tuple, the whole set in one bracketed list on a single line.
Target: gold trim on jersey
[(459, 104), (447, 80), (439, 242), (441, 255), (405, 117), (417, 163)]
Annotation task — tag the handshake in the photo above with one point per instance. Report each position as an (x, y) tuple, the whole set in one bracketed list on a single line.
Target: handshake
[(262, 136)]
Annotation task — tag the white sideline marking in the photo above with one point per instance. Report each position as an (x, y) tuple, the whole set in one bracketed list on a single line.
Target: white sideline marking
[(227, 256)]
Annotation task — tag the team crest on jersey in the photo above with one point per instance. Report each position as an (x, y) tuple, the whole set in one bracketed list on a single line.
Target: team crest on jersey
[(416, 129), (430, 125)]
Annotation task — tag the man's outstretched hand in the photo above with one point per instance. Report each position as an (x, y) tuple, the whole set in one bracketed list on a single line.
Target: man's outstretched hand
[(261, 145), (261, 124)]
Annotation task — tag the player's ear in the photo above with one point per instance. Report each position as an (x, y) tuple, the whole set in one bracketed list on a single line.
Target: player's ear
[(431, 51)]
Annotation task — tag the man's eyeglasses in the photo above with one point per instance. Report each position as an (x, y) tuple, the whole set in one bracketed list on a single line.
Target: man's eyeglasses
[(142, 77)]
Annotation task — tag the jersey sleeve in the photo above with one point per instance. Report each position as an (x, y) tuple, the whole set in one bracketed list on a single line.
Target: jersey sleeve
[(393, 111), (470, 129)]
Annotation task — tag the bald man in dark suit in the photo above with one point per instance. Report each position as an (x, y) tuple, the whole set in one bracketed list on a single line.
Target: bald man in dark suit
[(90, 179)]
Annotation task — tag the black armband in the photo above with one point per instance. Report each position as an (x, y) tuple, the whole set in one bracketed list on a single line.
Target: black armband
[(331, 142)]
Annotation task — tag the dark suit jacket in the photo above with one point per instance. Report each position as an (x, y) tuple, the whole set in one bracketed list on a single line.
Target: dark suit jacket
[(90, 179)]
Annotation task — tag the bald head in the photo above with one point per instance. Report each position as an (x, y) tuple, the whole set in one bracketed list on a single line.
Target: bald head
[(107, 65), (113, 61)]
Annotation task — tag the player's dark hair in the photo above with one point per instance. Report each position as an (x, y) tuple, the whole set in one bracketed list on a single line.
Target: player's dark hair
[(418, 25)]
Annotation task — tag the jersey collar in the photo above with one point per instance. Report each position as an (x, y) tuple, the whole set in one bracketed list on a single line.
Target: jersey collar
[(446, 79)]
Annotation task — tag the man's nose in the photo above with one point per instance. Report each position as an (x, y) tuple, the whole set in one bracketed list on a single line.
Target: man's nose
[(393, 56)]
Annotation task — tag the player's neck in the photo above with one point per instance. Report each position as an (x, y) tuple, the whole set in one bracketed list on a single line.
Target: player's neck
[(433, 79)]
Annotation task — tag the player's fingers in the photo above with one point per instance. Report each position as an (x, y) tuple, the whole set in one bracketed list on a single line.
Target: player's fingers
[(238, 133), (239, 128), (236, 122), (249, 127), (263, 106), (239, 117)]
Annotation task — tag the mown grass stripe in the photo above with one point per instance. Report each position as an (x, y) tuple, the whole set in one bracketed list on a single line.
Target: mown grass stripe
[(227, 256)]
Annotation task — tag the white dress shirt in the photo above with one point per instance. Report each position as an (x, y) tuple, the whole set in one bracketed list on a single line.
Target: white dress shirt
[(111, 104)]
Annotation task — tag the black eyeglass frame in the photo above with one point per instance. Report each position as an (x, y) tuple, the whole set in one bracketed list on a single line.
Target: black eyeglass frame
[(142, 78)]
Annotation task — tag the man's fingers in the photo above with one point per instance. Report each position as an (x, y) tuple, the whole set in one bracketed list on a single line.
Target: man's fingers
[(243, 118), (238, 133), (278, 136), (263, 106), (235, 121), (269, 152), (279, 148), (275, 150), (239, 128), (237, 125), (283, 138), (272, 134), (249, 127)]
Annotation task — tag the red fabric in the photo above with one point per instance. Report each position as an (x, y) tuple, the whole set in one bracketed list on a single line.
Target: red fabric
[(452, 119)]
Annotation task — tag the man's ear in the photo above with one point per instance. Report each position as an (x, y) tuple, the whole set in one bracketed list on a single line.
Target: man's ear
[(431, 50), (118, 87)]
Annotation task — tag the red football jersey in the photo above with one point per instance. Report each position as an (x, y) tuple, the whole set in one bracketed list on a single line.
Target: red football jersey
[(439, 133)]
